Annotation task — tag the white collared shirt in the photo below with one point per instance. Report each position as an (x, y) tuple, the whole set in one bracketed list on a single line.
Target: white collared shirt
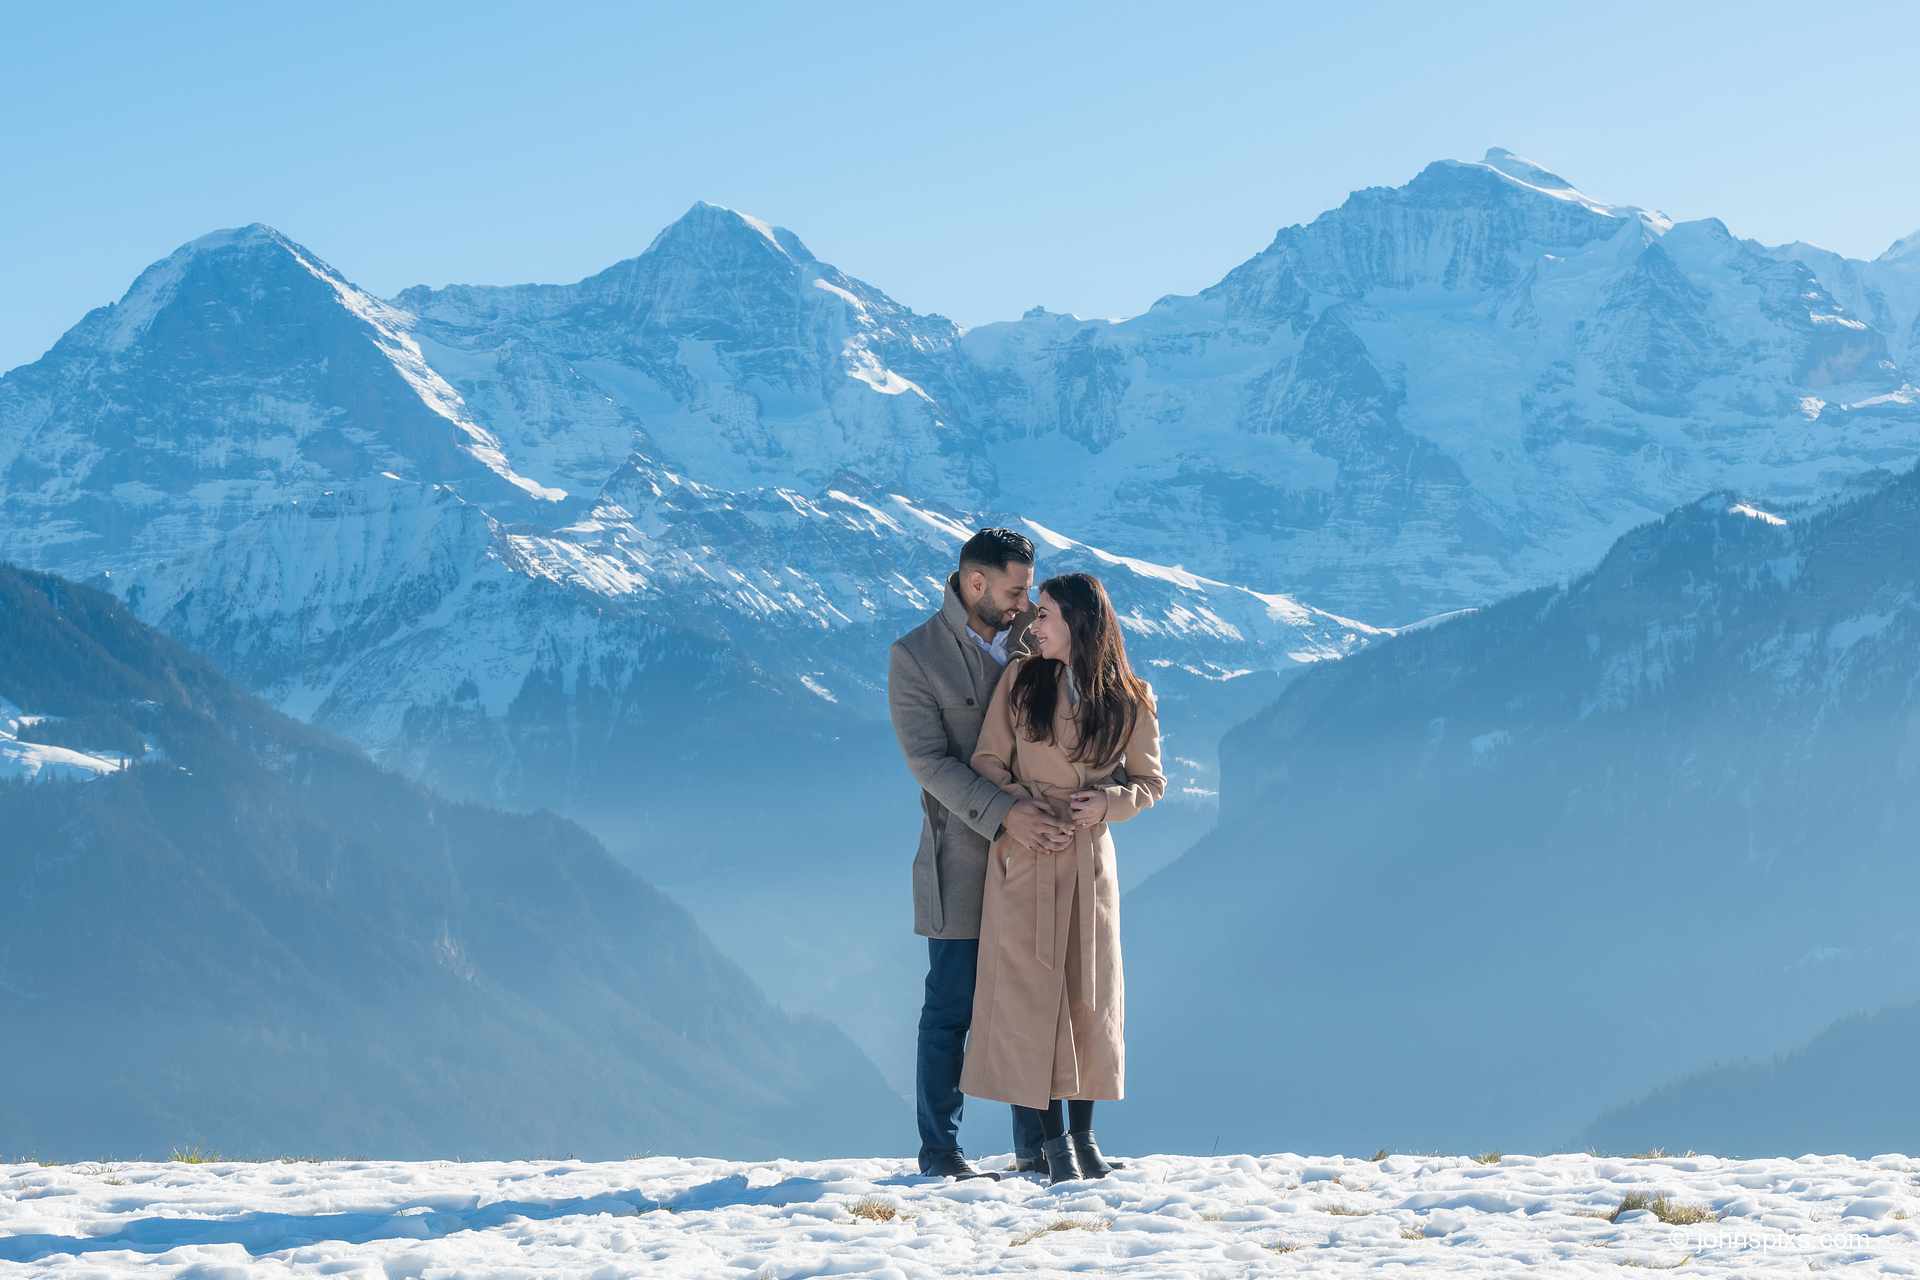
[(996, 650)]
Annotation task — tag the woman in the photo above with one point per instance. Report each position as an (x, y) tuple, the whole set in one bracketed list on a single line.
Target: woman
[(1049, 1002)]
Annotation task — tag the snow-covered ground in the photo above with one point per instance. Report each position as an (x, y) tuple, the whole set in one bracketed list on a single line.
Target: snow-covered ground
[(1162, 1216)]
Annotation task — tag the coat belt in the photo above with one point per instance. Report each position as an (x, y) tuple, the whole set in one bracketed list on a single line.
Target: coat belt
[(936, 817), (1056, 798)]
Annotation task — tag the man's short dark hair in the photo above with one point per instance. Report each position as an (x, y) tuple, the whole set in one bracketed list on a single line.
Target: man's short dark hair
[(995, 549)]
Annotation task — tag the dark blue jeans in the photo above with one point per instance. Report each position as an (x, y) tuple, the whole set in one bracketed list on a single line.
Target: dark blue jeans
[(945, 1014)]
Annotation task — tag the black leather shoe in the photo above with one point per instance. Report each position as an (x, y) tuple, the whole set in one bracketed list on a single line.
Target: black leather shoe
[(953, 1164), (1034, 1163), (1086, 1153), (1058, 1153)]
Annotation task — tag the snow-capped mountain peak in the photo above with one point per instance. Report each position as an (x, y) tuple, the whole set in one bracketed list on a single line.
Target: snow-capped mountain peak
[(238, 369), (1524, 170), (252, 249), (725, 349), (1904, 250), (706, 223), (1539, 178)]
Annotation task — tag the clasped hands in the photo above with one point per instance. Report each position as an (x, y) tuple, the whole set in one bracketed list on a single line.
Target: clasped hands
[(1035, 826)]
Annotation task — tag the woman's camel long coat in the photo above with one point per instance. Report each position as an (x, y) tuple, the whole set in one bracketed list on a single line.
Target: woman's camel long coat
[(1049, 1002)]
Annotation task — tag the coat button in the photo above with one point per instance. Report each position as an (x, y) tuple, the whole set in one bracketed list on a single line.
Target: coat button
[(969, 701), (973, 813)]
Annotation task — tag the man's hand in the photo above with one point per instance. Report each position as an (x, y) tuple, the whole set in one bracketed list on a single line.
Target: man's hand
[(1036, 828), (1089, 807)]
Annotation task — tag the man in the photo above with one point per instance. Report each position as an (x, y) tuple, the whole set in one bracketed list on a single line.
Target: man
[(940, 677)]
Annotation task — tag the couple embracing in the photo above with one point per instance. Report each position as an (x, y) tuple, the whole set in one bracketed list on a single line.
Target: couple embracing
[(1029, 734)]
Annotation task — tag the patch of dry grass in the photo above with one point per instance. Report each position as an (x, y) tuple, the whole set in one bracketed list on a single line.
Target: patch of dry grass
[(195, 1155), (1060, 1224), (1668, 1211), (874, 1209)]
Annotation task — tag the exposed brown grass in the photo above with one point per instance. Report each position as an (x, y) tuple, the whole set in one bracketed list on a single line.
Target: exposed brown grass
[(876, 1210), (1668, 1211), (1060, 1224)]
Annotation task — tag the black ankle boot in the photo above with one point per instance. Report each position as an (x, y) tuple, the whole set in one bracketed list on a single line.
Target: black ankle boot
[(1086, 1153), (954, 1164), (1058, 1153)]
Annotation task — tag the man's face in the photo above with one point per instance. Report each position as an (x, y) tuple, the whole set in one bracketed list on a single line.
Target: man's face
[(1002, 593)]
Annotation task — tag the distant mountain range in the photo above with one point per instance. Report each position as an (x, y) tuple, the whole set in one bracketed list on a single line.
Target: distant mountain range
[(1482, 882), (1425, 399), (631, 548), (237, 933)]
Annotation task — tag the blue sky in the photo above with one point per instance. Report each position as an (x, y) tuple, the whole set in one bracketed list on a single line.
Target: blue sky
[(969, 159)]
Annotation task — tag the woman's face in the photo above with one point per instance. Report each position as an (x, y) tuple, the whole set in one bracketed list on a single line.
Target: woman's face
[(1051, 639)]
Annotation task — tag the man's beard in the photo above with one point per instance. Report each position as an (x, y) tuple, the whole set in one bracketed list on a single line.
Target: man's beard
[(993, 620)]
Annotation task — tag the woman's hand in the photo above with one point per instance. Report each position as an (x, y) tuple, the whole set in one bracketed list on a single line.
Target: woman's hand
[(1036, 828), (1089, 808)]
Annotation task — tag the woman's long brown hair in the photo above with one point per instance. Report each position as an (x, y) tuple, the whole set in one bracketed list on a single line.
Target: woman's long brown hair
[(1110, 694)]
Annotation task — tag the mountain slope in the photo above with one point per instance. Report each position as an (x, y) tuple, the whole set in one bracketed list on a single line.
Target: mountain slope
[(1848, 1089), (1587, 837), (256, 940), (1884, 293)]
